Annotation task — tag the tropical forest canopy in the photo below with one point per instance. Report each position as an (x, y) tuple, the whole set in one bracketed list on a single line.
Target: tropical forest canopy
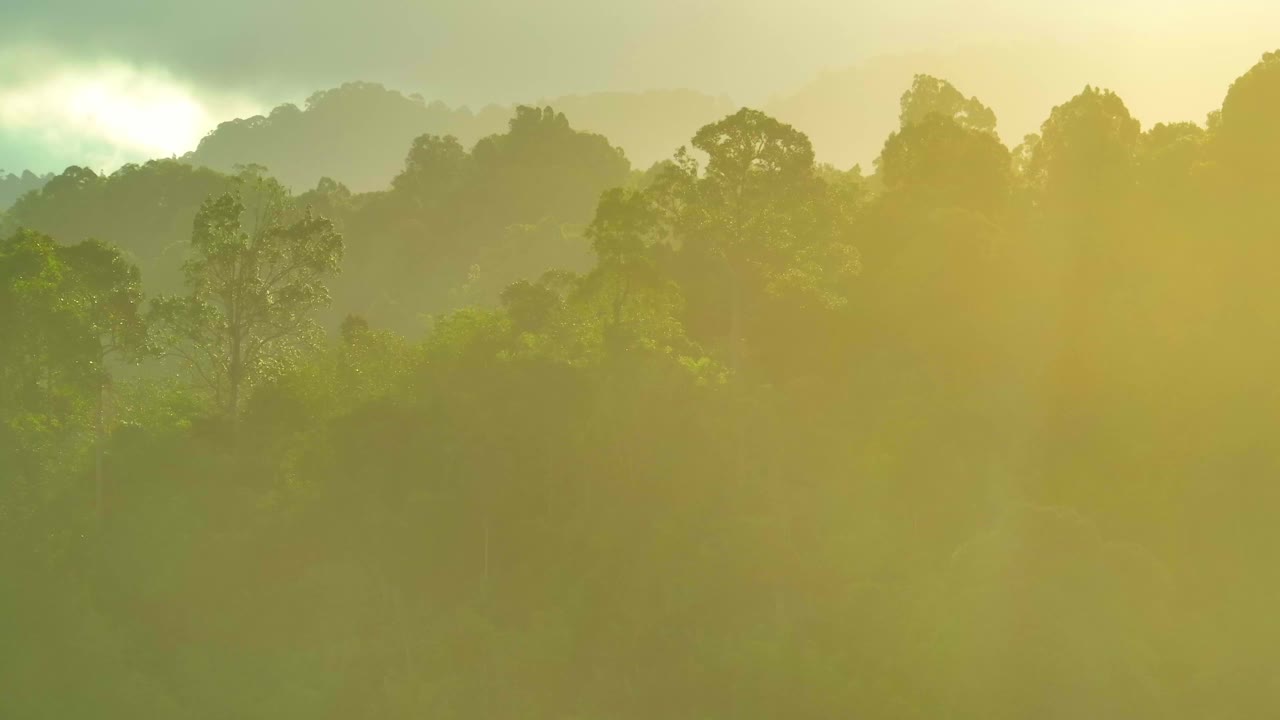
[(506, 422)]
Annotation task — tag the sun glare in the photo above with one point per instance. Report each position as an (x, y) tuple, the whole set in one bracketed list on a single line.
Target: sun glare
[(143, 115), (136, 114)]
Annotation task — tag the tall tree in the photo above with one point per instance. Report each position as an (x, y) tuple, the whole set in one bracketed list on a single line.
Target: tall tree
[(758, 222), (258, 272), (65, 312), (1245, 129), (1084, 161)]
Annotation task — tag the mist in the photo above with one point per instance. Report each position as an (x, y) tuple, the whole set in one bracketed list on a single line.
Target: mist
[(707, 360), (98, 84)]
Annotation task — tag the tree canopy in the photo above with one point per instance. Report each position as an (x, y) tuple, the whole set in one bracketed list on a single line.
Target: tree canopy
[(984, 433)]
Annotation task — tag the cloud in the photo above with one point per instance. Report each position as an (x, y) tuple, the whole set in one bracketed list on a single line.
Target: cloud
[(60, 112), (503, 51)]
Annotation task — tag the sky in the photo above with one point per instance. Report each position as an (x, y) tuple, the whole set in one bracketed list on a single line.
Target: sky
[(100, 82)]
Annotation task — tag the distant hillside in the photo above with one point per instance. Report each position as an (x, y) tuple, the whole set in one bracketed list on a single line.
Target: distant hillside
[(145, 210), (366, 129), (454, 227), (13, 186)]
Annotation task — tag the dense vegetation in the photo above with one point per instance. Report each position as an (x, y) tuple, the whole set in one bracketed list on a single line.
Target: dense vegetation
[(984, 433), (365, 128), (455, 226)]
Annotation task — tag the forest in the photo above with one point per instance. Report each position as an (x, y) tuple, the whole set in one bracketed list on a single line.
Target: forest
[(504, 421)]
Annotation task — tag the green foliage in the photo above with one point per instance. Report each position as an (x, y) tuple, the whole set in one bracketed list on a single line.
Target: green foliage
[(144, 210), (758, 229), (63, 311), (1245, 125), (66, 312), (984, 435), (257, 275), (1084, 159), (457, 227), (950, 163)]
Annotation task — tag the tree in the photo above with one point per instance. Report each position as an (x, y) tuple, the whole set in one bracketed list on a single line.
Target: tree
[(757, 224), (626, 229), (1245, 129), (65, 312), (1169, 161), (761, 206), (930, 96), (145, 210), (949, 164), (258, 271), (1083, 163), (432, 171), (512, 208), (110, 289), (935, 244)]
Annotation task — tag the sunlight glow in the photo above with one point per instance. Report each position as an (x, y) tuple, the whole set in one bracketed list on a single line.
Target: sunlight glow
[(117, 112)]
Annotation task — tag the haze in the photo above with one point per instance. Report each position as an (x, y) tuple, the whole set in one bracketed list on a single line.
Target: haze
[(87, 82), (701, 360)]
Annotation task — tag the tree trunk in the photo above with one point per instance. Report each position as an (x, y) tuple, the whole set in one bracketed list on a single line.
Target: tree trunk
[(233, 382), (98, 451), (736, 349)]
